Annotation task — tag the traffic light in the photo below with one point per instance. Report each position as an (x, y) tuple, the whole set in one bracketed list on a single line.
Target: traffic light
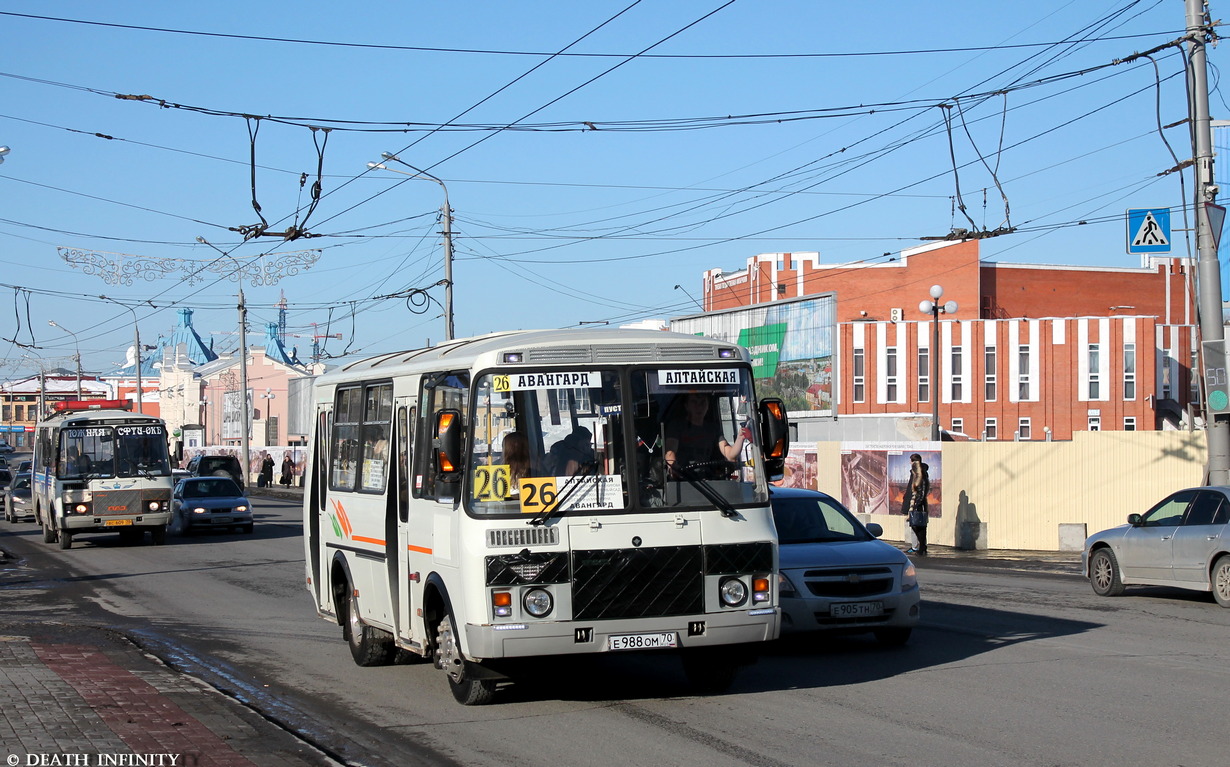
[(1216, 386)]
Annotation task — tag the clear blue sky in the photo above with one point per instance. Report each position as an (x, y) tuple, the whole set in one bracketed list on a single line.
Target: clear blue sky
[(849, 155)]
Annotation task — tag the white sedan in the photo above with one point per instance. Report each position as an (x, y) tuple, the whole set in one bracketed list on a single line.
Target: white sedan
[(1183, 542)]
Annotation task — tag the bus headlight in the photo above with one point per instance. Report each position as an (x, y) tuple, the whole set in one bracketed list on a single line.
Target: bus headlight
[(81, 508), (538, 602), (733, 592), (155, 505)]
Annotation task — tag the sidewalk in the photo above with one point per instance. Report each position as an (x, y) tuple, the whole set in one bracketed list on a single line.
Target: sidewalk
[(87, 696)]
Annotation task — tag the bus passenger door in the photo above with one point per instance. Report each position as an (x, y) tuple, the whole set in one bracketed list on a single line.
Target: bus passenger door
[(408, 585)]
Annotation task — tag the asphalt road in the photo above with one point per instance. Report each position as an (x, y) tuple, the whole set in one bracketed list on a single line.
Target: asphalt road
[(1008, 668)]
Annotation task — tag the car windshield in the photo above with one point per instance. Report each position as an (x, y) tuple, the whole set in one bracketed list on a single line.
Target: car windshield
[(211, 488), (815, 519)]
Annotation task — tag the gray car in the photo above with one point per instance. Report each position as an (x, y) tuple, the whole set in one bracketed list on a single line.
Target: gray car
[(210, 502), (835, 576), (17, 505), (1183, 542)]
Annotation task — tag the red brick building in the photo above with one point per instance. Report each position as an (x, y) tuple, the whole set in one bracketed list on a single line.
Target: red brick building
[(1032, 351)]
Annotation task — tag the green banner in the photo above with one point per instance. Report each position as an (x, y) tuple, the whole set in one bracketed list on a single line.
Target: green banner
[(765, 345)]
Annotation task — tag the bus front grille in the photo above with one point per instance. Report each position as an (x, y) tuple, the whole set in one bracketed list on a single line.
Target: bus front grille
[(111, 502), (626, 583)]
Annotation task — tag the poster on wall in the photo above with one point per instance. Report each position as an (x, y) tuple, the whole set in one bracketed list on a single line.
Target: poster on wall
[(791, 346), (800, 469), (874, 476)]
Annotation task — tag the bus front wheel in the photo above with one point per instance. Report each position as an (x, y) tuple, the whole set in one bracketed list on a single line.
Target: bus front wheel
[(368, 646), (49, 535), (158, 535), (66, 540), (466, 690)]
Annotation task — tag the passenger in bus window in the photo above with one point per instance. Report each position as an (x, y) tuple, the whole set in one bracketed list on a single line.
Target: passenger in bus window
[(517, 456), (695, 438), (78, 464)]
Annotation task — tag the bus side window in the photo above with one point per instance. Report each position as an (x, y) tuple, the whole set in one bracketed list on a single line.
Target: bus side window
[(405, 438)]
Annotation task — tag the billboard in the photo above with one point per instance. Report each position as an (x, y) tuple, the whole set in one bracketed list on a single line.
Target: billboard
[(791, 343)]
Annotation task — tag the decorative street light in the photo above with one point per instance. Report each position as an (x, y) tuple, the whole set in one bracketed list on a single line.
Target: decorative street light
[(76, 356), (448, 234), (932, 306)]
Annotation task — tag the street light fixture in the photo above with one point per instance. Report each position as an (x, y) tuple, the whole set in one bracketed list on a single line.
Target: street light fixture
[(448, 234), (932, 306), (76, 356)]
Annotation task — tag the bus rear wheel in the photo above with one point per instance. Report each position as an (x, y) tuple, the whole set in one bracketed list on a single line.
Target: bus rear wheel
[(466, 690)]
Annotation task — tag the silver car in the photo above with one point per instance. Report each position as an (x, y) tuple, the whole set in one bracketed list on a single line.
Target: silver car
[(835, 576), (1183, 541)]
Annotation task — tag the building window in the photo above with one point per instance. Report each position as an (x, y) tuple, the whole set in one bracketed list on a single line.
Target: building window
[(1024, 429), (1095, 380), (957, 378), (1023, 366), (924, 374), (1193, 377), (1129, 423), (990, 429), (989, 357), (17, 416), (1166, 362), (890, 374), (1095, 423), (1129, 371), (958, 425), (860, 389)]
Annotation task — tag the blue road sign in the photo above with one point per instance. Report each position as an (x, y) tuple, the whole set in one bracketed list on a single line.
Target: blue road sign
[(1148, 230)]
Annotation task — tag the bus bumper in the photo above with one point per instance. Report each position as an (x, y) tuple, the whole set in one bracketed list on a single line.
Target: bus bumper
[(89, 523), (525, 640)]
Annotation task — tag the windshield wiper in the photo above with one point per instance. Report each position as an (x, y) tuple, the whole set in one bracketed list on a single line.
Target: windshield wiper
[(704, 488), (570, 487)]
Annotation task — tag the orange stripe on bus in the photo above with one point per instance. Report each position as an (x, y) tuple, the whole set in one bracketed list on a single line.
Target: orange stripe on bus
[(419, 549), (362, 539)]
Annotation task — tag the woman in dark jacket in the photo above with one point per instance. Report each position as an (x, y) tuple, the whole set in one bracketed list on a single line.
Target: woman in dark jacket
[(916, 503)]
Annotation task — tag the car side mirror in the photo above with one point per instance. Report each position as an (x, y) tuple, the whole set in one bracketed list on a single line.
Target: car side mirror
[(6, 489), (1134, 520), (875, 529)]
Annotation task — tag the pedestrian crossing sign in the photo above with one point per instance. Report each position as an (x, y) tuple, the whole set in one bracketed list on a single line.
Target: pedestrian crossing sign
[(1148, 230)]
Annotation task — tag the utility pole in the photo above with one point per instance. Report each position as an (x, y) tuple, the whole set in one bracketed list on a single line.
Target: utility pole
[(1208, 269)]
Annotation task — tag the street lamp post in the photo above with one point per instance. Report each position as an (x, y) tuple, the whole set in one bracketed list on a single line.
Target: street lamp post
[(245, 438), (932, 306), (136, 333), (448, 234), (76, 356)]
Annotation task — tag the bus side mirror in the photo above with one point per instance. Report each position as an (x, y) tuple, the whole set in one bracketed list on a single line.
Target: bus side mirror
[(447, 442), (774, 436)]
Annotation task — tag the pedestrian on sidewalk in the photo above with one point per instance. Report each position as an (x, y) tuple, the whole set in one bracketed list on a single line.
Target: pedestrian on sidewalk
[(288, 472), (916, 503), (266, 475)]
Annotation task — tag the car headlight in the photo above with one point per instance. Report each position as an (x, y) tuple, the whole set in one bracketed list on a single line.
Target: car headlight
[(733, 592), (784, 587), (538, 602), (199, 511), (909, 577), (241, 508)]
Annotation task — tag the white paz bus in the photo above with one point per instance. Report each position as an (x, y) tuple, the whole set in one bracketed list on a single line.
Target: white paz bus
[(545, 493), (98, 468)]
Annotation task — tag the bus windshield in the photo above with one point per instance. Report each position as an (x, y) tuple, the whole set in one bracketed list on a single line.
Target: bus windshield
[(590, 440), (100, 452)]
